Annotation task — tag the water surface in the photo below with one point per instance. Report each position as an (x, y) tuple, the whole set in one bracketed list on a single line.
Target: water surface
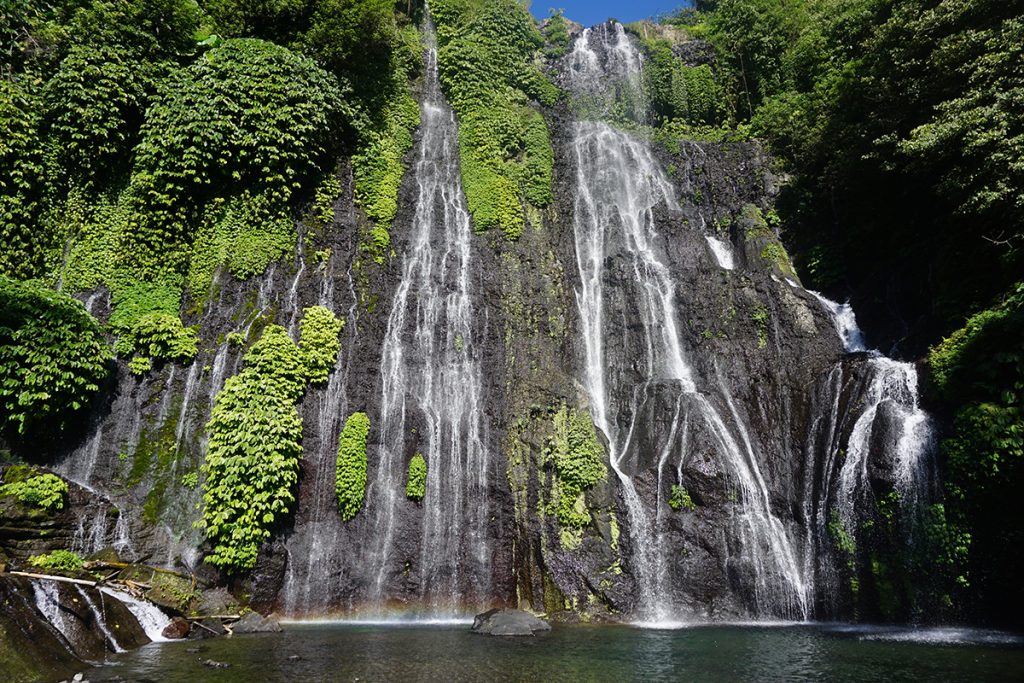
[(367, 652)]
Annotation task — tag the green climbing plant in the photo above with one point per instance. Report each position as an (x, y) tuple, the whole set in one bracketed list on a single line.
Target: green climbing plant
[(416, 482), (578, 459), (350, 476), (255, 442), (319, 342)]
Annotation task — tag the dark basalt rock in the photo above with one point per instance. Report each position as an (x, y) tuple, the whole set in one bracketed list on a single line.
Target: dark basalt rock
[(256, 623), (508, 622)]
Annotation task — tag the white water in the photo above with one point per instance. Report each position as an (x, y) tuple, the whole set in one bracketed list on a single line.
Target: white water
[(894, 385), (48, 604), (150, 617), (721, 251), (430, 370), (316, 552), (100, 619), (619, 185)]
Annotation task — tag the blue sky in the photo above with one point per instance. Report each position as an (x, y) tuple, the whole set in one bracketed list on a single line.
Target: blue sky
[(590, 12)]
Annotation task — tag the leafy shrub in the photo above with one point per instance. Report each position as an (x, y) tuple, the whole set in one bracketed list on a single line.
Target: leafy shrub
[(680, 499), (95, 104), (556, 35), (52, 356), (58, 560), (46, 491), (416, 483), (578, 458), (350, 476), (248, 116), (252, 461), (190, 480), (157, 335), (319, 342)]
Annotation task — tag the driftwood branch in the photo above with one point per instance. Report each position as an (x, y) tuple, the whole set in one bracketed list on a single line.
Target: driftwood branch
[(51, 577)]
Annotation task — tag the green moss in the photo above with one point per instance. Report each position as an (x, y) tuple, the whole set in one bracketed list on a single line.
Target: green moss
[(416, 482), (760, 318), (680, 499), (44, 491), (319, 342), (350, 475), (58, 560)]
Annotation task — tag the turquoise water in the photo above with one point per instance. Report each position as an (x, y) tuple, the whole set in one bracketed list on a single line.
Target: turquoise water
[(350, 652)]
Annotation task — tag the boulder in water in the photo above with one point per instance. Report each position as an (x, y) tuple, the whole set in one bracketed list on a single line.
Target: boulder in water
[(508, 622), (177, 629), (254, 622)]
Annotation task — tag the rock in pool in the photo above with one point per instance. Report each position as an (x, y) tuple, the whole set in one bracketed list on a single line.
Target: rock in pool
[(508, 622)]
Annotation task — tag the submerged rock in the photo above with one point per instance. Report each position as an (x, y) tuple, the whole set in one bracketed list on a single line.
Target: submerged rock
[(214, 664), (508, 622)]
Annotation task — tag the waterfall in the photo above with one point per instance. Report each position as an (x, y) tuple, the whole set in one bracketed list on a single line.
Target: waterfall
[(150, 617), (48, 604), (891, 386), (618, 190), (316, 551), (432, 395)]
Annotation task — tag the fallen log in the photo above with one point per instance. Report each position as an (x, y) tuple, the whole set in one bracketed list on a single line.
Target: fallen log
[(51, 577)]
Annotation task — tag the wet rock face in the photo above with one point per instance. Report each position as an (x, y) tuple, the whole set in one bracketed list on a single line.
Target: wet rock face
[(49, 630)]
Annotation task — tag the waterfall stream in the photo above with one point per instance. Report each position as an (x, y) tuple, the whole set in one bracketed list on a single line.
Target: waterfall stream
[(430, 370), (619, 187)]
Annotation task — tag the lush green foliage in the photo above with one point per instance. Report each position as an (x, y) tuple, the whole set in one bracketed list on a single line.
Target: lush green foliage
[(578, 458), (486, 68), (255, 441), (555, 30), (319, 342), (896, 119), (978, 371), (52, 356), (21, 189), (416, 482), (210, 133), (680, 93), (350, 476), (58, 560), (46, 491)]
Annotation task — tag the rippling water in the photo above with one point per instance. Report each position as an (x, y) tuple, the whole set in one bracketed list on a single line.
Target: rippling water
[(366, 652)]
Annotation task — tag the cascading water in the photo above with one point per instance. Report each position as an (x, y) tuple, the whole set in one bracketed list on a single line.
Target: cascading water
[(619, 187), (316, 551), (432, 399), (890, 386)]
